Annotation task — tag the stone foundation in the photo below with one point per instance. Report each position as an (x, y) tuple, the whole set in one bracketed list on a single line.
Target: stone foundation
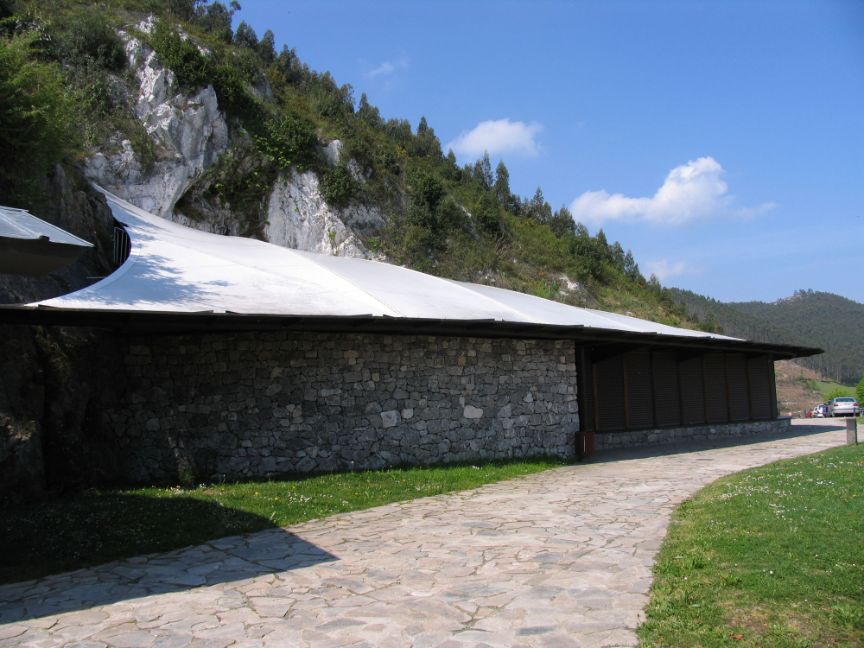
[(230, 406), (614, 440)]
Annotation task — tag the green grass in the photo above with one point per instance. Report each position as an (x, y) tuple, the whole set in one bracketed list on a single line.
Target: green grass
[(768, 557), (829, 389), (96, 526)]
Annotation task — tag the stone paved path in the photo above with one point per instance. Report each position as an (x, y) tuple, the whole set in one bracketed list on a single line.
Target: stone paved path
[(561, 558)]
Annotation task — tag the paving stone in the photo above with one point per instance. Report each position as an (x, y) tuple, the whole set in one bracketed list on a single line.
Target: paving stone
[(561, 558)]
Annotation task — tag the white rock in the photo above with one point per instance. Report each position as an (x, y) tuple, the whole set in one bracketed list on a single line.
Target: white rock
[(391, 418), (299, 218), (471, 412), (189, 132), (333, 152)]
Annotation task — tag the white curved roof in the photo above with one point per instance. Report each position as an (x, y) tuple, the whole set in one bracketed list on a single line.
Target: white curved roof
[(177, 269)]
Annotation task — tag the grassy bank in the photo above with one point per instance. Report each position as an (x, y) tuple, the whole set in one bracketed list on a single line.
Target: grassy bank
[(98, 526), (767, 557)]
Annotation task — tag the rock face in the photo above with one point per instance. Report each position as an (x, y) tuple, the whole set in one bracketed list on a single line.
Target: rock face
[(299, 218), (189, 132)]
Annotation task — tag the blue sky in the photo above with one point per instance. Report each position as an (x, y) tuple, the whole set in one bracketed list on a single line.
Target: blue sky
[(723, 142)]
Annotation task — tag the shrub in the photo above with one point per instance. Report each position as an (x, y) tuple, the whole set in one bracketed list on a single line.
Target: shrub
[(87, 35), (289, 141), (338, 186), (37, 115), (191, 68)]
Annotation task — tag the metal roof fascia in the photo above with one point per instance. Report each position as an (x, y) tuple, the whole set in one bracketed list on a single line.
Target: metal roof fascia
[(209, 320)]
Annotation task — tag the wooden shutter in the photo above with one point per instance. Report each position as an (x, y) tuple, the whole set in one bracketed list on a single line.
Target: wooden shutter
[(714, 371), (640, 396), (667, 403), (692, 391), (609, 394), (760, 387), (739, 392)]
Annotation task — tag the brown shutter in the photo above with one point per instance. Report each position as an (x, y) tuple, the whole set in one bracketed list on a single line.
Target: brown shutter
[(739, 392), (760, 387), (692, 391), (640, 397), (714, 370), (667, 405), (609, 394)]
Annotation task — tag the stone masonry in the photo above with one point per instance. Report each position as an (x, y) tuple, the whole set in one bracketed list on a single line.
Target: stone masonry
[(713, 432), (202, 407)]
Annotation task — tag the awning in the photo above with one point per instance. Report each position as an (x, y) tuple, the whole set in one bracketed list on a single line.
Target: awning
[(30, 246)]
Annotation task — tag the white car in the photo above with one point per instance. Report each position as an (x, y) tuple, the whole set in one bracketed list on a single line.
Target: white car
[(843, 406)]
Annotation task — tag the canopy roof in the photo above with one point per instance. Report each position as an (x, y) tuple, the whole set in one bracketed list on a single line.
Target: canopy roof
[(175, 273), (29, 245)]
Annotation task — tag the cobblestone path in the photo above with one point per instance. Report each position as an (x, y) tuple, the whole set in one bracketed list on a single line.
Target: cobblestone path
[(561, 558)]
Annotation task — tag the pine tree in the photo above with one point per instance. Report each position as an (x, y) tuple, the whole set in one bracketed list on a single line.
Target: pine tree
[(502, 183)]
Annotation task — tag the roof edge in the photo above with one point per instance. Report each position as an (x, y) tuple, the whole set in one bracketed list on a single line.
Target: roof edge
[(167, 322)]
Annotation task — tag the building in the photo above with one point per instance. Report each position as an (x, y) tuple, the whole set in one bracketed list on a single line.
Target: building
[(240, 358)]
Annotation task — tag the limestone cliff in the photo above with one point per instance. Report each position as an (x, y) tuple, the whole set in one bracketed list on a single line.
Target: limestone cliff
[(190, 133)]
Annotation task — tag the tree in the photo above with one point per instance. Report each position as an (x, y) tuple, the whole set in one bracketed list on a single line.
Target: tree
[(859, 392), (368, 113), (245, 36), (562, 222), (483, 171), (538, 209), (502, 183), (37, 115), (267, 48)]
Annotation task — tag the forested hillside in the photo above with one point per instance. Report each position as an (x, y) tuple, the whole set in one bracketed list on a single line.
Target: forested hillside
[(72, 75), (808, 318)]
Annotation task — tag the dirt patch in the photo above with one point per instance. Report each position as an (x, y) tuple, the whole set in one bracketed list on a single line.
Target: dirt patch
[(794, 397)]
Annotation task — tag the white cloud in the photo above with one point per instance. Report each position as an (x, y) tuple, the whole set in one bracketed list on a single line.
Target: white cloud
[(663, 269), (691, 191), (497, 137), (382, 70), (386, 68)]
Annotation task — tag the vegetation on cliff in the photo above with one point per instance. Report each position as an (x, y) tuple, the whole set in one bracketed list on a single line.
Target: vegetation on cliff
[(462, 222)]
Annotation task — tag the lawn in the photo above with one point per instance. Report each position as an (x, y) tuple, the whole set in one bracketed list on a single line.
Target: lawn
[(97, 526), (769, 557), (829, 389)]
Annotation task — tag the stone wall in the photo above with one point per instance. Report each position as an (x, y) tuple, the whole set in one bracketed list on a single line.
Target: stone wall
[(661, 436), (250, 405)]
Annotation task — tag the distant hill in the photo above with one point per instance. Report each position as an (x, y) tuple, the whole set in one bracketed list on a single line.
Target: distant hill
[(808, 317)]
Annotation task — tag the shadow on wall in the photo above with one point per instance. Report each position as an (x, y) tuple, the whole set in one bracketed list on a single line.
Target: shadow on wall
[(38, 539), (799, 428)]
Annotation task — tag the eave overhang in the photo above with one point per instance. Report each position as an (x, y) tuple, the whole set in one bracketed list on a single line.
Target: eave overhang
[(138, 322)]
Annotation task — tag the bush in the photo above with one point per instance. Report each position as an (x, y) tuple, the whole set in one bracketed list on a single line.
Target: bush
[(37, 115), (88, 36), (338, 186), (191, 68), (290, 141)]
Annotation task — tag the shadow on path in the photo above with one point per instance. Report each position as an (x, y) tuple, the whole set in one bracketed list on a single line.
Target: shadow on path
[(227, 559)]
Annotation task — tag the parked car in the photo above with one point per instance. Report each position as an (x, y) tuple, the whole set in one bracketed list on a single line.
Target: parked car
[(820, 411), (843, 406)]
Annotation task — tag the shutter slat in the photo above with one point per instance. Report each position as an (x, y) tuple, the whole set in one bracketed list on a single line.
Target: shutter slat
[(667, 402), (714, 370), (760, 387), (609, 395), (640, 395)]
